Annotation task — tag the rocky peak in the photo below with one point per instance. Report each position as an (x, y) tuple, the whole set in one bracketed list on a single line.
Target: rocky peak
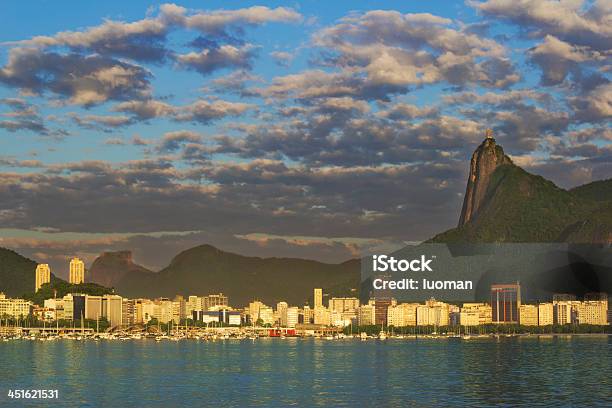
[(486, 158), (110, 267)]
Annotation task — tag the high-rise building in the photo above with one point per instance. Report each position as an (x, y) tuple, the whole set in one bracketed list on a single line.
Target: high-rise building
[(402, 315), (505, 303), (43, 275), (214, 301), (367, 315), (281, 310), (433, 313), (292, 316), (380, 306), (473, 314), (322, 316), (545, 314), (318, 297), (77, 271), (528, 315), (347, 304)]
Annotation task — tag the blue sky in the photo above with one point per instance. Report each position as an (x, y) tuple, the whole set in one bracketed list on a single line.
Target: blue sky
[(275, 128)]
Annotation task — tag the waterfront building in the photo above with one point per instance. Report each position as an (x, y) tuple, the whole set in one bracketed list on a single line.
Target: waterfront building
[(432, 313), (380, 309), (318, 297), (114, 309), (292, 316), (528, 315), (592, 312), (403, 314), (505, 303), (545, 314), (281, 310), (367, 315), (308, 315), (148, 310), (344, 304), (482, 310), (15, 308), (322, 316), (43, 275), (564, 312)]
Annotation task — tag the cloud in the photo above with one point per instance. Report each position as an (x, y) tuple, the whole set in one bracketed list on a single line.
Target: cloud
[(212, 59), (577, 22), (595, 106), (200, 111), (557, 59), (282, 58), (172, 141), (80, 80), (100, 122)]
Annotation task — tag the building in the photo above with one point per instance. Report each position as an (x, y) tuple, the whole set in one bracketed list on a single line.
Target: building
[(367, 315), (214, 301), (380, 306), (592, 312), (281, 310), (402, 315), (346, 304), (318, 297), (77, 271), (433, 313), (260, 312), (545, 314), (564, 312), (528, 315), (322, 316), (474, 314), (43, 275), (505, 303), (15, 308), (293, 314)]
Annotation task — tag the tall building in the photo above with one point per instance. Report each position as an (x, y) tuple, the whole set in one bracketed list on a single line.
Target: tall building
[(77, 271), (402, 315), (43, 275), (292, 316), (367, 315), (281, 309), (318, 297), (433, 313), (528, 315), (505, 303), (473, 314), (545, 314), (380, 306), (211, 301), (347, 304)]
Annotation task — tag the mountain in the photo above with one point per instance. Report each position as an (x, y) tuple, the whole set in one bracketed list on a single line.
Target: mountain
[(206, 269), (110, 267), (16, 273), (486, 158), (504, 203)]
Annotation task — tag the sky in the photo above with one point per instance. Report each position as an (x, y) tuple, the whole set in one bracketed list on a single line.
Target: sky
[(307, 129)]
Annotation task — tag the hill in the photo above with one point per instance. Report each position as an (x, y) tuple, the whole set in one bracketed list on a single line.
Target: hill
[(109, 268), (206, 269), (16, 273), (521, 207)]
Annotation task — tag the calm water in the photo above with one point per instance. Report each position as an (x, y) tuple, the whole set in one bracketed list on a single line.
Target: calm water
[(307, 372)]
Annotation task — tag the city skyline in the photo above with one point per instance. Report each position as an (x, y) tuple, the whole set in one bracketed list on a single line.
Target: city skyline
[(283, 130)]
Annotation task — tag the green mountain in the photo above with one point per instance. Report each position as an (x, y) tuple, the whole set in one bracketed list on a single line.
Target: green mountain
[(16, 273), (517, 206), (206, 269)]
